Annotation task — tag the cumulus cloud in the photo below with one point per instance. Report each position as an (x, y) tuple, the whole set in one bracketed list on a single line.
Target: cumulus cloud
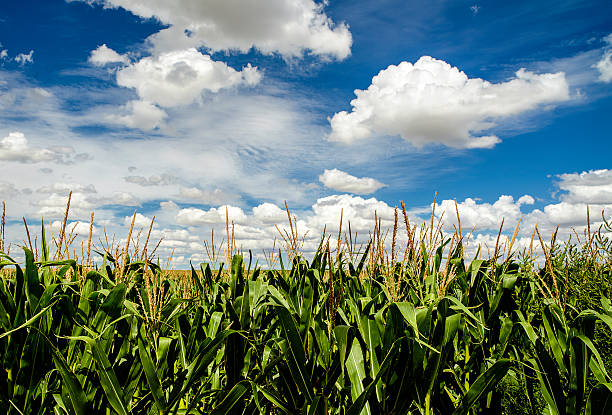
[(194, 216), (54, 205), (103, 55), (432, 102), (343, 182), (15, 147), (577, 191), (24, 58), (179, 77), (269, 213), (594, 187), (482, 216), (287, 27), (140, 114), (326, 212), (140, 221)]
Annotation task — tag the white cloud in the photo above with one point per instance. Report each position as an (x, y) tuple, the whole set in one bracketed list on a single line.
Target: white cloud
[(140, 221), (288, 27), (194, 216), (214, 197), (76, 227), (168, 206), (179, 77), (482, 216), (432, 102), (84, 200), (604, 66), (54, 205), (140, 114), (24, 58), (3, 54), (326, 212), (65, 188), (104, 55), (594, 187), (122, 198), (41, 92), (343, 182), (269, 213), (14, 147)]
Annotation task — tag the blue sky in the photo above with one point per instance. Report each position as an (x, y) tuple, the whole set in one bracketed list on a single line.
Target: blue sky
[(180, 109)]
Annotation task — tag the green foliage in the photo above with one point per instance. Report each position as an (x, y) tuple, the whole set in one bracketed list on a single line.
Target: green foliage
[(320, 338)]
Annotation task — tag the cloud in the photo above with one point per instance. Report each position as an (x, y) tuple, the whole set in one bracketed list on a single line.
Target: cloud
[(15, 148), (214, 197), (287, 27), (74, 228), (24, 58), (577, 190), (154, 180), (343, 182), (360, 211), (54, 205), (8, 190), (432, 102), (103, 55), (593, 187), (194, 216), (140, 114), (65, 188), (269, 213), (179, 77), (482, 216), (604, 66), (140, 221), (168, 206)]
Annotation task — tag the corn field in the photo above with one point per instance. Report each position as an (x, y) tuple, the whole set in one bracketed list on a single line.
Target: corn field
[(425, 332)]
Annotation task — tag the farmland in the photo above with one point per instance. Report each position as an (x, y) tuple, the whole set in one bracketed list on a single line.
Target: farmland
[(416, 329)]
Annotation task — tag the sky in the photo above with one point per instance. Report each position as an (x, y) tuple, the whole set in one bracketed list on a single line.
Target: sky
[(184, 110)]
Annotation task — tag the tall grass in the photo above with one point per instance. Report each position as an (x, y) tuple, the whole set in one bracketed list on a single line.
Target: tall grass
[(389, 327)]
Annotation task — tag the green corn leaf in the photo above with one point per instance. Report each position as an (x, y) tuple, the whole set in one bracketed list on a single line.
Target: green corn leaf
[(344, 336), (360, 403), (600, 400), (31, 321), (297, 355), (232, 399), (77, 399), (482, 385), (355, 367), (151, 375), (107, 376)]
